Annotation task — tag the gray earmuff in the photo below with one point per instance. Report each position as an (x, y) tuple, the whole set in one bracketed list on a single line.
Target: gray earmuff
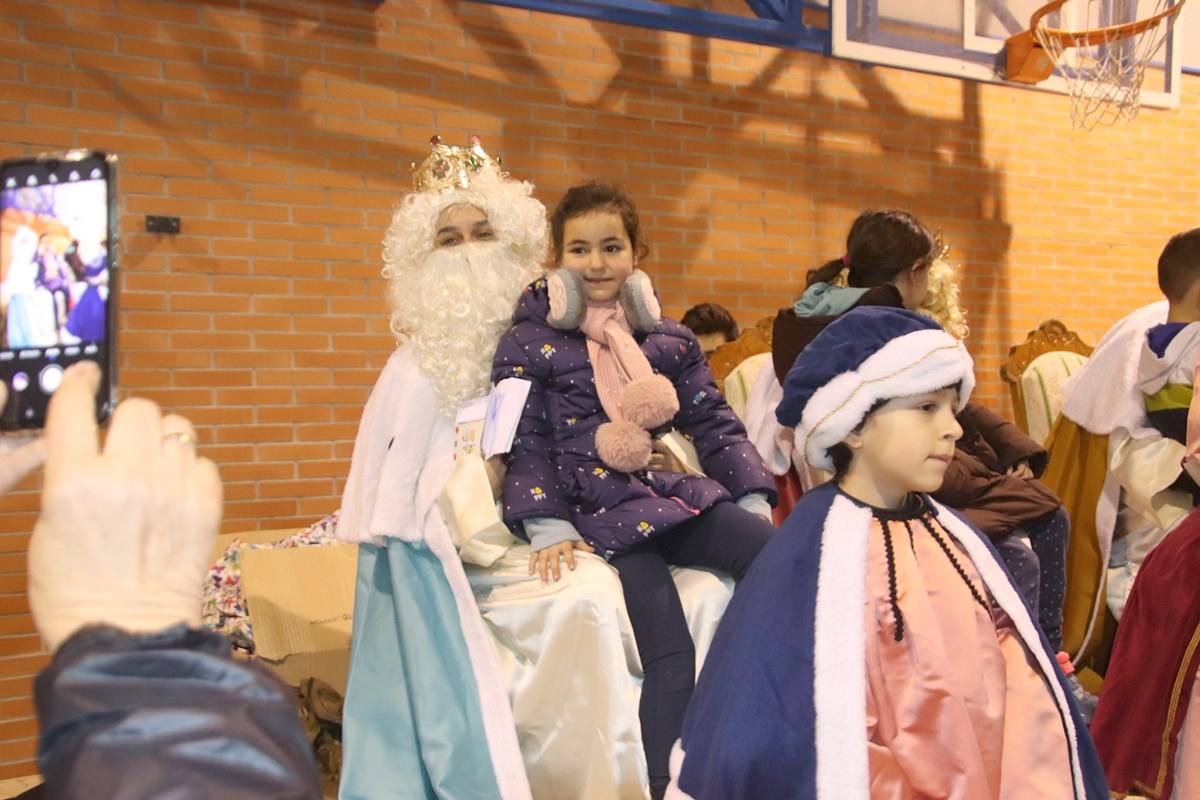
[(642, 311), (574, 306)]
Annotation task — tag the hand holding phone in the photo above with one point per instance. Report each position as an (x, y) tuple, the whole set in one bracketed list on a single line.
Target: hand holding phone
[(125, 533)]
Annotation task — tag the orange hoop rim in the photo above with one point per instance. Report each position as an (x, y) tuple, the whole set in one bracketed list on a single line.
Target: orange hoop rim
[(1096, 36)]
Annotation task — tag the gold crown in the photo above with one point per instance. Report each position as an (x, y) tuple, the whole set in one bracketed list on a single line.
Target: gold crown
[(941, 248), (448, 167)]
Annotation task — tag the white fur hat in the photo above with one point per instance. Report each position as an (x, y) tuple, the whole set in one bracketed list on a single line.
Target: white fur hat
[(866, 357)]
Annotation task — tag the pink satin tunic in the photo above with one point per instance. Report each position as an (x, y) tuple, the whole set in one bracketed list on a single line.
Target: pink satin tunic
[(957, 708)]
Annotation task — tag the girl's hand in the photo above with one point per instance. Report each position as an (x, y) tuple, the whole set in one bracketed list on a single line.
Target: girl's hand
[(663, 460), (545, 562), (1021, 469)]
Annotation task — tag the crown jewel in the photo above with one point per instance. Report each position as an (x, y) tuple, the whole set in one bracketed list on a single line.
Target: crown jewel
[(941, 248), (448, 167)]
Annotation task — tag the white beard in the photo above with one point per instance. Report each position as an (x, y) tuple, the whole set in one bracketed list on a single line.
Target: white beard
[(454, 307)]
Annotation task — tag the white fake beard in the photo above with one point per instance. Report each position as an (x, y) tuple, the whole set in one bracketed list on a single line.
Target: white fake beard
[(454, 308)]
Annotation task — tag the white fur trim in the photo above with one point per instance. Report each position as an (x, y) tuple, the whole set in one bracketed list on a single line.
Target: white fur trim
[(498, 724), (917, 362), (676, 765), (839, 672), (389, 491), (393, 492), (1005, 595), (1103, 395)]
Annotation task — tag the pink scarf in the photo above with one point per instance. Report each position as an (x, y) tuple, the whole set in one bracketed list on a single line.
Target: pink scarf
[(635, 398), (617, 360)]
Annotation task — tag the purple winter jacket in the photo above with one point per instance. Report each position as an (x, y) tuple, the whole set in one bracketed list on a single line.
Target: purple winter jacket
[(553, 469)]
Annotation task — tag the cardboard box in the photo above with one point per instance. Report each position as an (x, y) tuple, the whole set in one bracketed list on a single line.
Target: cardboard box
[(301, 604), (249, 537)]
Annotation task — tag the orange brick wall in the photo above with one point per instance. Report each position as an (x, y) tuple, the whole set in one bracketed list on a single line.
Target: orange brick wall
[(281, 130)]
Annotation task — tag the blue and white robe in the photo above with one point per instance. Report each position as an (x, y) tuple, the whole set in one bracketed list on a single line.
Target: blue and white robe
[(779, 711)]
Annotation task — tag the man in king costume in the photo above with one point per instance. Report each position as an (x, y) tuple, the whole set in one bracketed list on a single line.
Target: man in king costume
[(470, 678)]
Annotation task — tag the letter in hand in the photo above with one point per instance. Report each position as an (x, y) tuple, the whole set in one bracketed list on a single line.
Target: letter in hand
[(496, 471), (125, 533)]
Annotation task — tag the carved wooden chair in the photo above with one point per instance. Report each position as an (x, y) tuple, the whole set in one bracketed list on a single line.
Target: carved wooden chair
[(1035, 372), (729, 356), (751, 342)]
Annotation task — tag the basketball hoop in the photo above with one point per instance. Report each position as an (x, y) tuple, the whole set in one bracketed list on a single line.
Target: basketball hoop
[(1104, 64)]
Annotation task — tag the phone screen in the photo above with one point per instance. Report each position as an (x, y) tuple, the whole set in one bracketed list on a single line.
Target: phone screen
[(57, 278)]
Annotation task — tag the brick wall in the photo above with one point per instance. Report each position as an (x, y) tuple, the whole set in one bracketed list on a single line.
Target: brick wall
[(281, 130)]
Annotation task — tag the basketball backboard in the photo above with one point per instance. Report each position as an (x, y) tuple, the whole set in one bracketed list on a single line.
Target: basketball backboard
[(965, 38)]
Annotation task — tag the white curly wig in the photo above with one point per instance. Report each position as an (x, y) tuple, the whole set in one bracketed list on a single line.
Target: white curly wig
[(454, 303), (517, 217), (941, 301)]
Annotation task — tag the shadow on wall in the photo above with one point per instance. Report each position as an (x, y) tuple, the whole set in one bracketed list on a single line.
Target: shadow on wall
[(827, 184), (785, 166)]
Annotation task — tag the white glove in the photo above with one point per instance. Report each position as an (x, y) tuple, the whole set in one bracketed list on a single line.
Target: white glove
[(124, 537)]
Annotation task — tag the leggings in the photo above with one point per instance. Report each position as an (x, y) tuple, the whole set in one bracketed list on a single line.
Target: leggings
[(725, 537), (1041, 573)]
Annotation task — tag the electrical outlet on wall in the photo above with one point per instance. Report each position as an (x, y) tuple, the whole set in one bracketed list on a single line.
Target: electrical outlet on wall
[(161, 224)]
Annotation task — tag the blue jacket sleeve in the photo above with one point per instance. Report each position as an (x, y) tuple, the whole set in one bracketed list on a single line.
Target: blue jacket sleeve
[(148, 716), (725, 451), (531, 486), (750, 731)]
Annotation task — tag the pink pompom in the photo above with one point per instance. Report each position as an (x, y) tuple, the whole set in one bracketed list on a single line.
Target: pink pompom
[(650, 402), (623, 446)]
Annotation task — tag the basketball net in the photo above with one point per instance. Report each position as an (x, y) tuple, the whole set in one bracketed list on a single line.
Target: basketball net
[(1103, 69)]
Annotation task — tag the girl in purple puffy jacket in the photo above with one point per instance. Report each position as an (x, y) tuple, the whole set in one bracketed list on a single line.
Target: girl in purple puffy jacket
[(608, 375)]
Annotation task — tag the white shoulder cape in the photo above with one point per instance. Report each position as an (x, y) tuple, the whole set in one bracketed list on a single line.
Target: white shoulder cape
[(405, 443)]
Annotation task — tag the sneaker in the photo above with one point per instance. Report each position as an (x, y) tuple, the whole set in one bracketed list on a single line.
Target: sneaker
[(1086, 700)]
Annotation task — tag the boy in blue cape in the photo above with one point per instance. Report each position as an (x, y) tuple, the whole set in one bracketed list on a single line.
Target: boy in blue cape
[(878, 647)]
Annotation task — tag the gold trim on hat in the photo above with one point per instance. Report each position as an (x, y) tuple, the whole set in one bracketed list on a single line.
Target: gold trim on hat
[(864, 383)]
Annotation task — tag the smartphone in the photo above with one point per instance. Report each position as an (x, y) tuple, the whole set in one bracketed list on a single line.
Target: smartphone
[(58, 278)]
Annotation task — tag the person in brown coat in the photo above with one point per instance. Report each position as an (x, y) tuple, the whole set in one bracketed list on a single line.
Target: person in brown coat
[(994, 476), (993, 479)]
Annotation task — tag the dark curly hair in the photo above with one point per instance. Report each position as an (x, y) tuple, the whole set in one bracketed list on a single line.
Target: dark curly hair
[(591, 197), (881, 245), (710, 318)]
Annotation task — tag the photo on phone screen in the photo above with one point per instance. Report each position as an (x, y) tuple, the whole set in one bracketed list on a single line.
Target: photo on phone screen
[(57, 278)]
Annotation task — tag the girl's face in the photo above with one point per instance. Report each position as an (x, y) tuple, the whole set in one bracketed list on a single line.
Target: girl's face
[(904, 446), (460, 224), (597, 247), (914, 285)]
